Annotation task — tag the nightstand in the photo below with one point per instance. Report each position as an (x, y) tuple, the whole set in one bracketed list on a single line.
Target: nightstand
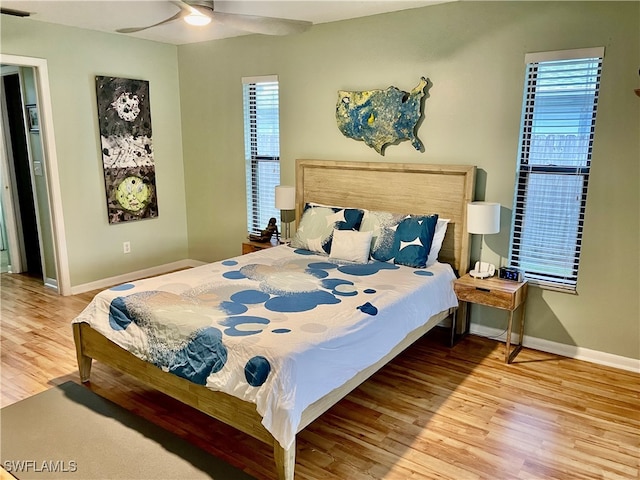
[(249, 246), (495, 292)]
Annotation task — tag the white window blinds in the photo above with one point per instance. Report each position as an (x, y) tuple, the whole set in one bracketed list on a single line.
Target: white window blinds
[(262, 148), (556, 139)]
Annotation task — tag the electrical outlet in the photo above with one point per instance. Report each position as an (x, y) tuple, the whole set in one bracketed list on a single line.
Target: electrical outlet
[(126, 247)]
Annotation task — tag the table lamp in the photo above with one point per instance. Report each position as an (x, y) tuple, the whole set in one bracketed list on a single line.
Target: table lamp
[(483, 218), (286, 203)]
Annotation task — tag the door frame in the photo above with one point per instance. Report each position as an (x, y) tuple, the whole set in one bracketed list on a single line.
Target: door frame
[(43, 92)]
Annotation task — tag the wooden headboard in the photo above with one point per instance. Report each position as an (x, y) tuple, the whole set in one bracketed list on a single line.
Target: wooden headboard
[(398, 188)]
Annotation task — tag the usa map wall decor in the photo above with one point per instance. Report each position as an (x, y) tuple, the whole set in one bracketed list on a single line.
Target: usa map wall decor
[(381, 117), (124, 118)]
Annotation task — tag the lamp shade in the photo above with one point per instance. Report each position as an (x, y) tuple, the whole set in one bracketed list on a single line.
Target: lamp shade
[(483, 217), (285, 197)]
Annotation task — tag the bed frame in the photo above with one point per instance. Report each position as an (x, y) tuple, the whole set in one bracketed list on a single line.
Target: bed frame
[(393, 187)]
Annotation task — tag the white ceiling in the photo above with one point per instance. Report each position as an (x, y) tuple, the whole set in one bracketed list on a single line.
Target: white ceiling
[(107, 16)]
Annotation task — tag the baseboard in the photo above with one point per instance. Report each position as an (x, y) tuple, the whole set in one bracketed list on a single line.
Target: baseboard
[(569, 351), (137, 275)]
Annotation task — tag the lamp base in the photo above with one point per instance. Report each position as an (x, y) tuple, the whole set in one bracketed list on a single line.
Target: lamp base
[(285, 238), (475, 274), (483, 270)]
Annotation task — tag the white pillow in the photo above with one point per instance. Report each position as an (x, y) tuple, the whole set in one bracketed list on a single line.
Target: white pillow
[(438, 237), (351, 246)]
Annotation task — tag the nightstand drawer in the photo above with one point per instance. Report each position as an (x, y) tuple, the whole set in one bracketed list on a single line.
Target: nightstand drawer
[(250, 247), (485, 295)]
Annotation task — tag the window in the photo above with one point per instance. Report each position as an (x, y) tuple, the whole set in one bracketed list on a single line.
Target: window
[(262, 149), (556, 139)]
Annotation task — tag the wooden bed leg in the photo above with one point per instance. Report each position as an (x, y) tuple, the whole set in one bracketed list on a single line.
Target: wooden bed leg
[(84, 362), (285, 460)]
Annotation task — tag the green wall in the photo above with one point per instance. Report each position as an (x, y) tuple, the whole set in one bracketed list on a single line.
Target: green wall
[(74, 57), (473, 53)]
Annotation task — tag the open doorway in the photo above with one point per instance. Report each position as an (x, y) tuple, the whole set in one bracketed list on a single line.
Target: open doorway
[(26, 201), (31, 219)]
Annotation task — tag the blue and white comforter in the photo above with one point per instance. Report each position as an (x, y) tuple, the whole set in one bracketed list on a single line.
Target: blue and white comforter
[(280, 327)]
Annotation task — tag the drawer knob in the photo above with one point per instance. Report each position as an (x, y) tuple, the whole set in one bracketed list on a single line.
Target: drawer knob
[(483, 289)]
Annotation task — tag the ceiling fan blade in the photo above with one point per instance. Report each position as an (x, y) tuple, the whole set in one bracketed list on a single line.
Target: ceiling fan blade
[(14, 13), (264, 25), (178, 15)]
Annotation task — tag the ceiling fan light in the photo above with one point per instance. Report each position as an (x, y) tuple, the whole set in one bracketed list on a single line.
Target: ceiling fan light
[(197, 19)]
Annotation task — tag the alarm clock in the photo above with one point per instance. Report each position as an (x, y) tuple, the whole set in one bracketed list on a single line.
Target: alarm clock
[(510, 273)]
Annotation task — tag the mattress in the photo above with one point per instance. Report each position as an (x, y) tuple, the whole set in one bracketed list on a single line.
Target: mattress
[(279, 328)]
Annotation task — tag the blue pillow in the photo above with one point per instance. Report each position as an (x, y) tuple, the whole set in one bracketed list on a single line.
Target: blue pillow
[(407, 242), (315, 231), (414, 237)]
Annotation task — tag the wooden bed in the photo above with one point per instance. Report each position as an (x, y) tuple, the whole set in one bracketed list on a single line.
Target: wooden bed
[(393, 187)]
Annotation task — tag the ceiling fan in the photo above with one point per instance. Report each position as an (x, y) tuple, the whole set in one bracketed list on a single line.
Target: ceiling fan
[(201, 12)]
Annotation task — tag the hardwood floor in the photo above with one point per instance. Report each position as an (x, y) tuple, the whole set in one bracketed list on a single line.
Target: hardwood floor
[(432, 413)]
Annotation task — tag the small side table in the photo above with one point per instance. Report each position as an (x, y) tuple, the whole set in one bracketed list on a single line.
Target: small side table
[(249, 246), (498, 293)]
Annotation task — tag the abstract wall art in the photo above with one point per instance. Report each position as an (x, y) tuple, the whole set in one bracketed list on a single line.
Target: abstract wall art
[(381, 117), (124, 118)]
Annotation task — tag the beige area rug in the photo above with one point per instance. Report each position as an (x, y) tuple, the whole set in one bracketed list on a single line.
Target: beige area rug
[(70, 432)]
